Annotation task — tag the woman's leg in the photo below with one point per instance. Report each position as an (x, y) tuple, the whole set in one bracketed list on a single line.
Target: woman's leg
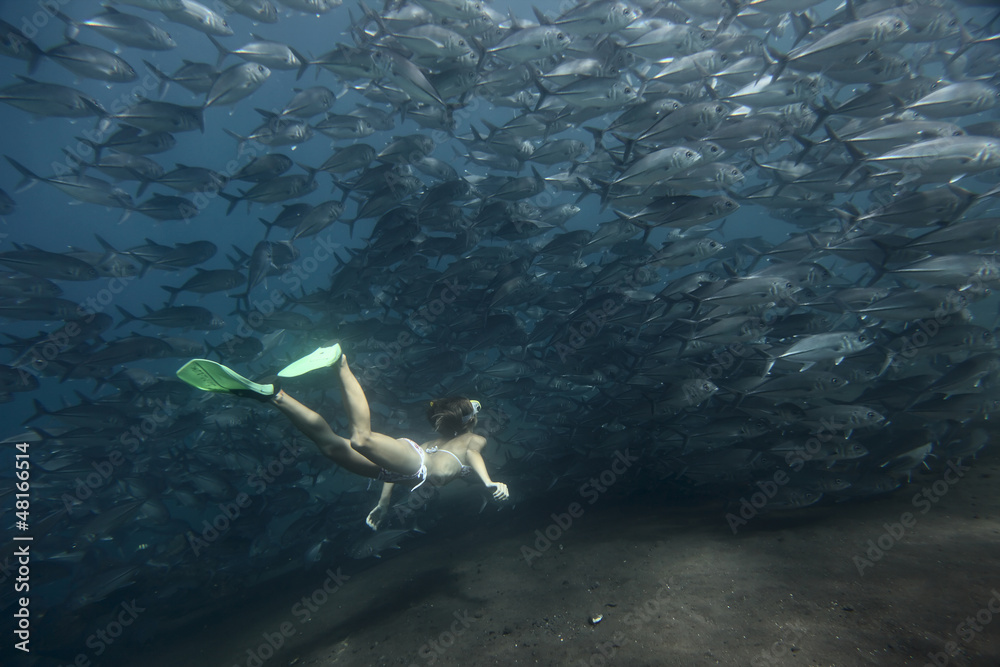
[(389, 453), (316, 429)]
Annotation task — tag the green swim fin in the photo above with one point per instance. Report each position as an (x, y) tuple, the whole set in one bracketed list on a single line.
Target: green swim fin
[(320, 358), (208, 375)]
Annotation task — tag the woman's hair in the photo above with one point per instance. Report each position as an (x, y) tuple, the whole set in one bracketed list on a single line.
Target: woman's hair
[(451, 416)]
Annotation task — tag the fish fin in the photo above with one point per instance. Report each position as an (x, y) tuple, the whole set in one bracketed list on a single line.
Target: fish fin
[(305, 62), (240, 140), (72, 27), (267, 224), (233, 201), (223, 51), (515, 24), (161, 76), (857, 159), (543, 92), (598, 135), (776, 59), (174, 291), (30, 177), (129, 317), (40, 411)]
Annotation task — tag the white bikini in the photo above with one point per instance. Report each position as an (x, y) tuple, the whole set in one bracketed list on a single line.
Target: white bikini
[(464, 471), (392, 477)]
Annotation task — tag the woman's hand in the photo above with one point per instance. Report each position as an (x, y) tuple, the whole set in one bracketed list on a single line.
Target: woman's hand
[(499, 490), (376, 516)]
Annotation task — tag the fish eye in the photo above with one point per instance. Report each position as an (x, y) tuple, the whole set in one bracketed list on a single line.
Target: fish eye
[(688, 154), (862, 338), (559, 35), (461, 42), (718, 109), (729, 204), (871, 415), (735, 172)]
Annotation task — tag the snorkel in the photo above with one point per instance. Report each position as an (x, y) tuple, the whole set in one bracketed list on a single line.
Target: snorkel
[(476, 407)]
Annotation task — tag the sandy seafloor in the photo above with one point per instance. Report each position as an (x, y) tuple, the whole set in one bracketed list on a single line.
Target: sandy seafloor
[(674, 586)]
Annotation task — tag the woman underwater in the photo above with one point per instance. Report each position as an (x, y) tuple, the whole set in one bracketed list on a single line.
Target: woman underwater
[(366, 452)]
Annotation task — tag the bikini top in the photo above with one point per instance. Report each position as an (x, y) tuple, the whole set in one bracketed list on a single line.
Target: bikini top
[(465, 470)]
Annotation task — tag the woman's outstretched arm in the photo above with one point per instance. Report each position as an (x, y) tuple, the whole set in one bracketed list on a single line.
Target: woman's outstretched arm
[(377, 515), (479, 465)]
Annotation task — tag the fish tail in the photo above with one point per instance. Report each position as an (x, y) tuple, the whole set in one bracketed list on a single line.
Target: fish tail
[(97, 148), (72, 27), (598, 135), (107, 246), (233, 201), (174, 291), (240, 140), (163, 78), (129, 317), (802, 25), (30, 177), (40, 411), (775, 59), (223, 51), (36, 58), (304, 64), (267, 224), (97, 110), (543, 92)]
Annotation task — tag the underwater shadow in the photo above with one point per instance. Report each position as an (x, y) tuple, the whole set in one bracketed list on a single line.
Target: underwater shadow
[(380, 609)]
